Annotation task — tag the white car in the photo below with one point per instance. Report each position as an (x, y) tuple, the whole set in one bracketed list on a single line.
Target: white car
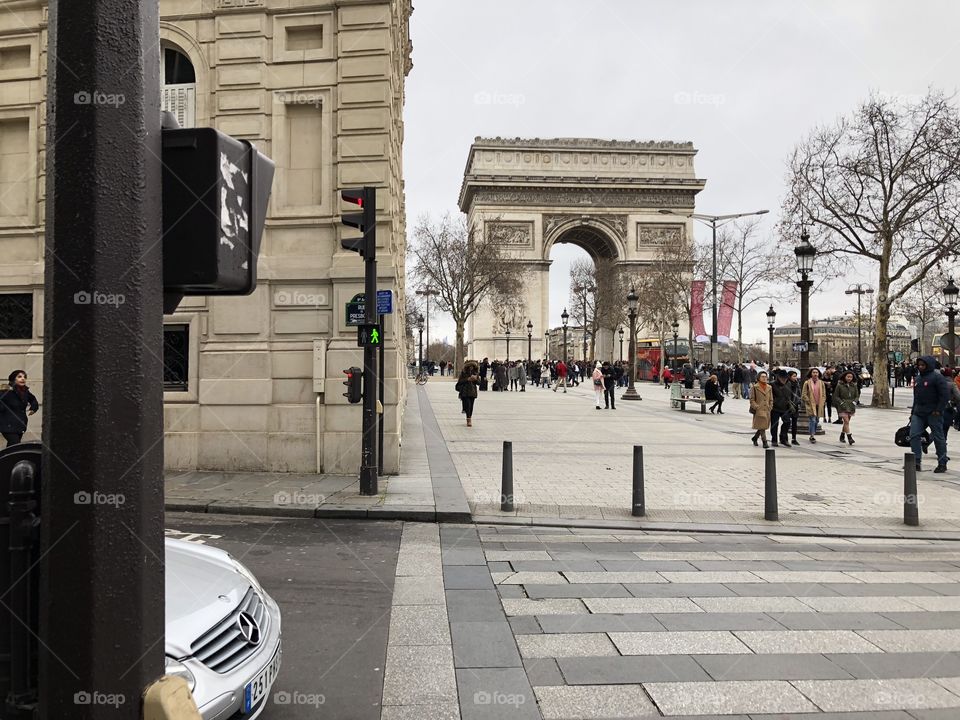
[(222, 631)]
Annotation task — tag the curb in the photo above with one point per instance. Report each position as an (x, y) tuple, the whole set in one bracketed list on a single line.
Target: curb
[(408, 514)]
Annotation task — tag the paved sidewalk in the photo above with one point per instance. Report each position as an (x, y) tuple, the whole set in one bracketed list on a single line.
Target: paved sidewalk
[(572, 464), (493, 622)]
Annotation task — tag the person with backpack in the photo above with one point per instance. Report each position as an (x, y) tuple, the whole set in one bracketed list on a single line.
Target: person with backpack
[(466, 388), (931, 394)]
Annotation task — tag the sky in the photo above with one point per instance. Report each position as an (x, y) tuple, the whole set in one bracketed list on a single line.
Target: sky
[(744, 80)]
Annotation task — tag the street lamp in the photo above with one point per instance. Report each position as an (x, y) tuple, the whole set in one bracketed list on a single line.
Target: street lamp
[(805, 253), (859, 290), (620, 333), (546, 344), (564, 316), (950, 293), (584, 289), (508, 344), (427, 292), (529, 340), (714, 221), (771, 320), (420, 328), (676, 328), (632, 299)]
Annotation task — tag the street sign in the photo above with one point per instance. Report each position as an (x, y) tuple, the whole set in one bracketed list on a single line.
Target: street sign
[(898, 356), (948, 341), (369, 336), (799, 347), (357, 307)]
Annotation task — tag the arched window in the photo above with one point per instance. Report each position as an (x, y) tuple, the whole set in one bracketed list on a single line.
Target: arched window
[(178, 89)]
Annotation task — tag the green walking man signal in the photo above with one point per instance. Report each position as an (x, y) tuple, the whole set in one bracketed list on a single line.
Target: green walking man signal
[(369, 335)]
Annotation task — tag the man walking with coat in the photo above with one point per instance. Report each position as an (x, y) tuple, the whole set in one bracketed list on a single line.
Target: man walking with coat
[(930, 397)]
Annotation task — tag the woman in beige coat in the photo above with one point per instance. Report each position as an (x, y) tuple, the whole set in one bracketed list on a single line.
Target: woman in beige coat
[(761, 404), (814, 397)]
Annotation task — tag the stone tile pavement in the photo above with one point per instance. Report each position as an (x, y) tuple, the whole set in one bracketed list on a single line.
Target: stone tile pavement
[(572, 462), (492, 621)]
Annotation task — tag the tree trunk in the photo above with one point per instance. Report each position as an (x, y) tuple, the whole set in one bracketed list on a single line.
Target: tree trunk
[(460, 350), (739, 333), (881, 379)]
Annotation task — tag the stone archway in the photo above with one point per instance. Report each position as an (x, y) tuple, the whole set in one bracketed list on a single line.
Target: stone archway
[(605, 196)]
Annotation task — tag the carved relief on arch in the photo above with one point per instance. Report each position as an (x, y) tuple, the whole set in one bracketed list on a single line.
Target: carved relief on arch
[(660, 234), (519, 234), (617, 224)]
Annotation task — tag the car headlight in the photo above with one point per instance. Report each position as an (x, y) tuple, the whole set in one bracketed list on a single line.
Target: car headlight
[(177, 668), (247, 575)]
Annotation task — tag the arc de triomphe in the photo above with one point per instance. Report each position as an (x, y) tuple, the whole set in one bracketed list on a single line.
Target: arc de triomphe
[(604, 196)]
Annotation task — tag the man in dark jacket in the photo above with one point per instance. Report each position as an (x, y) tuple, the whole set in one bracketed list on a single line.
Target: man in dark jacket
[(782, 409), (609, 383), (930, 397), (687, 376), (15, 405)]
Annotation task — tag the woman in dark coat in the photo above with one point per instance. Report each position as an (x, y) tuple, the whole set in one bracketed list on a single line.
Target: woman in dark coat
[(15, 405), (467, 388), (711, 391)]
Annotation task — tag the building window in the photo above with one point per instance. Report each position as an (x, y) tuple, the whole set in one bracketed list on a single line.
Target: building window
[(178, 89), (16, 316), (176, 357)]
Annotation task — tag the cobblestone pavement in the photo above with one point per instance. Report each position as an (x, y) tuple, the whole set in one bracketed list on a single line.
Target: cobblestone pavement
[(504, 622), (572, 461)]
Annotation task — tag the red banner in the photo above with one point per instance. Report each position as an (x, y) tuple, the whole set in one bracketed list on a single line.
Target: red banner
[(697, 289), (725, 319)]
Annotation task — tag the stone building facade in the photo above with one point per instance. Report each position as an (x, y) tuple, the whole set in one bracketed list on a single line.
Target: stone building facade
[(251, 383), (836, 342)]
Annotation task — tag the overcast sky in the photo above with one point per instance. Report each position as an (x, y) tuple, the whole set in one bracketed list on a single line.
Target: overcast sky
[(743, 80)]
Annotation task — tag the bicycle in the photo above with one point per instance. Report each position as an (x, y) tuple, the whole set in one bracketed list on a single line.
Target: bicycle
[(422, 377)]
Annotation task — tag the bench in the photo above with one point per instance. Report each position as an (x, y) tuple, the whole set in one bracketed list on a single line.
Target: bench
[(680, 396)]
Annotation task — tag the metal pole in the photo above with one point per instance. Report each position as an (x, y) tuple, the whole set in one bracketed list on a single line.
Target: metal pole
[(911, 515), (564, 344), (508, 347), (805, 284), (771, 346), (859, 329), (770, 506), (674, 362), (621, 348), (380, 394), (506, 478), (951, 345), (102, 577), (368, 450), (639, 502), (23, 522), (631, 393), (713, 335), (529, 354), (421, 348)]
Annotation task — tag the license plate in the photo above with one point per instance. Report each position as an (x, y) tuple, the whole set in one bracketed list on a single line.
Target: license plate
[(256, 689)]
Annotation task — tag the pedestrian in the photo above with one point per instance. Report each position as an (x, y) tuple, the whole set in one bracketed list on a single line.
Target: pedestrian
[(667, 377), (484, 368), (467, 388), (738, 381), (561, 371), (598, 383), (609, 386), (761, 405), (688, 375), (522, 375), (712, 391), (545, 378), (813, 397), (16, 404), (501, 374), (796, 402), (930, 397), (514, 374), (782, 409), (950, 414), (845, 398)]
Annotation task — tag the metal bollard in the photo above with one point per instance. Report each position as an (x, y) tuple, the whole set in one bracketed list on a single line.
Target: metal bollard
[(911, 515), (506, 482), (770, 510), (639, 502), (23, 529)]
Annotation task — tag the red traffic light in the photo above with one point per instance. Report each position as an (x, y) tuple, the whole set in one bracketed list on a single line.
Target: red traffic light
[(354, 196)]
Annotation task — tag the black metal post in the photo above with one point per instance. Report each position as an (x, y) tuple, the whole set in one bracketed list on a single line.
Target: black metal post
[(421, 349), (368, 450), (23, 524), (804, 284), (771, 347), (713, 332), (911, 515), (621, 347), (529, 347), (951, 345), (564, 344), (506, 478), (631, 393), (639, 501), (102, 586), (508, 344), (770, 505), (380, 394), (674, 359), (859, 329)]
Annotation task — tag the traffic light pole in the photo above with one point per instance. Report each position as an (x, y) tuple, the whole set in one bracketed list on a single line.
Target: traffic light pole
[(368, 453), (380, 395)]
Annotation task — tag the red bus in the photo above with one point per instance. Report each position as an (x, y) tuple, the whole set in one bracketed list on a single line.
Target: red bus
[(650, 357)]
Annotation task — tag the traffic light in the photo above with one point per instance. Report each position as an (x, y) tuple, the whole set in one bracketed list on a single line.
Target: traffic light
[(364, 221), (354, 393), (371, 335), (215, 194)]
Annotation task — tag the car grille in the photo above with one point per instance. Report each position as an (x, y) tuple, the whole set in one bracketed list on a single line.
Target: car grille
[(223, 647)]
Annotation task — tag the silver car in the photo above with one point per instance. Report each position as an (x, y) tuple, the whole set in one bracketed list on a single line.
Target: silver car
[(223, 631)]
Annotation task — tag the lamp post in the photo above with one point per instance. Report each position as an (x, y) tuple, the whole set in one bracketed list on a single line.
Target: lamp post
[(771, 320), (546, 345), (508, 344), (620, 333), (529, 341), (714, 221), (950, 293), (584, 289), (676, 328), (427, 292), (632, 299), (859, 290), (420, 329), (805, 253), (564, 316)]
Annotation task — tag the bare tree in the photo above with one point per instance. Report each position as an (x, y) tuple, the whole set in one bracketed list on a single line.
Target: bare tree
[(597, 297), (463, 266), (881, 186), (921, 304)]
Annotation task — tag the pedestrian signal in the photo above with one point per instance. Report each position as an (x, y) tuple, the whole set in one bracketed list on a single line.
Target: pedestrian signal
[(369, 335)]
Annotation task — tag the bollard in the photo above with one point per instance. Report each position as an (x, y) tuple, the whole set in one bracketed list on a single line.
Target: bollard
[(911, 515), (770, 510), (23, 533), (506, 483), (639, 503)]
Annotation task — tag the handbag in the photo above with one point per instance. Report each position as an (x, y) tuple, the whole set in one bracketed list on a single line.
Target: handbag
[(902, 438), (597, 383)]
